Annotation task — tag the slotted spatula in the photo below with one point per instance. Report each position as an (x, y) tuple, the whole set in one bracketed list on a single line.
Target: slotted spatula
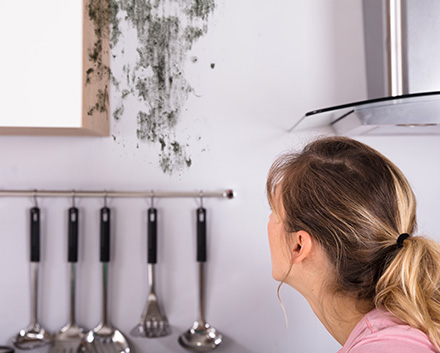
[(35, 335)]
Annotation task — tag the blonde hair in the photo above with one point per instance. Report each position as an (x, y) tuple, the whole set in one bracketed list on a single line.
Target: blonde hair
[(355, 202)]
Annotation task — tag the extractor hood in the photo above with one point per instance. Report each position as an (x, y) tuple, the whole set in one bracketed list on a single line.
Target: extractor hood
[(402, 47)]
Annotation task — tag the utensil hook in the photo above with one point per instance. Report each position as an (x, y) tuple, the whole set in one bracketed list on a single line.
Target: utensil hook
[(73, 198), (105, 199), (35, 198), (201, 198), (152, 198)]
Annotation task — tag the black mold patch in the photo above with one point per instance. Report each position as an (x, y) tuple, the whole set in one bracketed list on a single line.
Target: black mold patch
[(200, 8), (168, 160), (166, 31), (191, 34), (118, 112), (101, 102), (114, 20), (99, 14)]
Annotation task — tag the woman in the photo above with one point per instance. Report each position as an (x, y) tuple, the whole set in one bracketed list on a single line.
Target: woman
[(342, 234)]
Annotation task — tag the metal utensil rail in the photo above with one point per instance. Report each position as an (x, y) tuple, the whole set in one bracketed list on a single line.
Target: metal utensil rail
[(228, 194)]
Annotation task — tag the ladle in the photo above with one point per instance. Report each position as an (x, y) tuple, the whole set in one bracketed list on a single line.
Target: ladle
[(201, 337), (34, 336)]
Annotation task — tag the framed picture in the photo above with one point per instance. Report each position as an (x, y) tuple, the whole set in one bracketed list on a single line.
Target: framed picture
[(55, 67)]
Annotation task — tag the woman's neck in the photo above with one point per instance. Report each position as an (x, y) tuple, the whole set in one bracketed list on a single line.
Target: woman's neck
[(339, 315), (312, 275)]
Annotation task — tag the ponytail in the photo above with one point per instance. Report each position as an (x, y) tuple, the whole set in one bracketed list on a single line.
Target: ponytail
[(409, 287)]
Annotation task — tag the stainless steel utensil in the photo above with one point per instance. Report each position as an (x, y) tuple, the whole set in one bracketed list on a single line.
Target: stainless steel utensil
[(104, 338), (34, 336), (153, 322), (68, 339), (201, 337)]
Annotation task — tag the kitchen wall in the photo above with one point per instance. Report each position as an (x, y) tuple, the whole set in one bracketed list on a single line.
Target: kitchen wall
[(274, 60)]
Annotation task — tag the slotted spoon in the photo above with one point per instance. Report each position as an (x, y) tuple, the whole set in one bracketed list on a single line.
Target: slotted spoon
[(104, 338), (153, 322), (68, 339)]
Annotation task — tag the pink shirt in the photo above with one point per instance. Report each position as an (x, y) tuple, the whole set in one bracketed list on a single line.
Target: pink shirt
[(381, 332)]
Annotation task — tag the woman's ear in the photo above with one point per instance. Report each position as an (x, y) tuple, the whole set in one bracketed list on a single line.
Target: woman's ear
[(302, 246)]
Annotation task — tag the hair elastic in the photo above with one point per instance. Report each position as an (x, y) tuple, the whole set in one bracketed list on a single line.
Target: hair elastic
[(401, 239)]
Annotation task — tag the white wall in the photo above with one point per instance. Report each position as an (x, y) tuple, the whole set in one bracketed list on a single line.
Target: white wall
[(274, 60)]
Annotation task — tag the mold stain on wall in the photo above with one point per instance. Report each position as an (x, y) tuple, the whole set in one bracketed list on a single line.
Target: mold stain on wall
[(154, 76), (97, 63)]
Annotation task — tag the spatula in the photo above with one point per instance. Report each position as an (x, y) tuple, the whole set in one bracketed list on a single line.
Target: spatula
[(35, 335)]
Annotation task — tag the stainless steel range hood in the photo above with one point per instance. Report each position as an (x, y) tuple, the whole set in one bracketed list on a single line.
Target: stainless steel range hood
[(402, 46)]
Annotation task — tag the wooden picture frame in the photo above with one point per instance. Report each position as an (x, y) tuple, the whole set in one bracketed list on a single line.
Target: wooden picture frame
[(55, 68)]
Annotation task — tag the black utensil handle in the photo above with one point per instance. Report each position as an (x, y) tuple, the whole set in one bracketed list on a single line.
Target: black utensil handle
[(72, 248), (6, 349), (201, 234), (35, 234), (152, 235), (105, 235)]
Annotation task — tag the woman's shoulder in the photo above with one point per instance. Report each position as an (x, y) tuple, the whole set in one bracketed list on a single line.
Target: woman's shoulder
[(381, 332)]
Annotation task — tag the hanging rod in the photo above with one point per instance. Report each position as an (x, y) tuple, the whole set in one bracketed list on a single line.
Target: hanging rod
[(229, 194)]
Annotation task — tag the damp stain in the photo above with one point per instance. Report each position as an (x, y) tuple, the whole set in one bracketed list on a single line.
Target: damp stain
[(165, 32)]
